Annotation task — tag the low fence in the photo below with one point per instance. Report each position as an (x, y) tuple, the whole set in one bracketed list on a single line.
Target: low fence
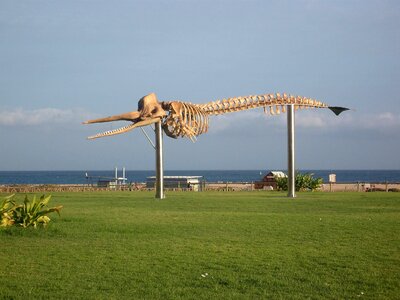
[(206, 186), (361, 187), (43, 188)]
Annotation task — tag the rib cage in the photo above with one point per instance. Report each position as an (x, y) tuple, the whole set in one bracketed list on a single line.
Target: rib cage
[(185, 120)]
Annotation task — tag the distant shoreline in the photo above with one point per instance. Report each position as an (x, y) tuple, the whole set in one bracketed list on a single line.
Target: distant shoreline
[(202, 170), (237, 176)]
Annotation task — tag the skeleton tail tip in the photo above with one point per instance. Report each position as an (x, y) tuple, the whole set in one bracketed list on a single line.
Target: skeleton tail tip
[(337, 110)]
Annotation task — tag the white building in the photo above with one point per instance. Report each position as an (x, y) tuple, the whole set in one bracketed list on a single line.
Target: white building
[(182, 182)]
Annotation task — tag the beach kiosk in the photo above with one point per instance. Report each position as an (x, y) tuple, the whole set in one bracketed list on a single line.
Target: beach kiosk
[(269, 180)]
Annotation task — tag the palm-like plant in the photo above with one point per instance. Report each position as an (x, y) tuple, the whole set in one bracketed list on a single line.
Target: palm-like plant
[(303, 182), (34, 212), (6, 211)]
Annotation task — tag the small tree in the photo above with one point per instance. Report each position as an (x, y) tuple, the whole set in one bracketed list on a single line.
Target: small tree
[(303, 182)]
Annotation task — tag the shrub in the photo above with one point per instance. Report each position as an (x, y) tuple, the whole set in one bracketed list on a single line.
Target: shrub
[(281, 183), (6, 211), (31, 213), (303, 182)]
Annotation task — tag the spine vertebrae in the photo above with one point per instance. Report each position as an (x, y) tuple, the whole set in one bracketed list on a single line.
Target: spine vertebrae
[(275, 102)]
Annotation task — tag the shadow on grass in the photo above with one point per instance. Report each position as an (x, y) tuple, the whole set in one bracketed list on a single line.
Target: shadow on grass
[(50, 231)]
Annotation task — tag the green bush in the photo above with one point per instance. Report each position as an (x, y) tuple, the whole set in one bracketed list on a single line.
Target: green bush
[(6, 211), (31, 213), (303, 182)]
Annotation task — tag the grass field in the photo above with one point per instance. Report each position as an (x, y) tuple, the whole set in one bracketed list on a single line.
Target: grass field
[(210, 245)]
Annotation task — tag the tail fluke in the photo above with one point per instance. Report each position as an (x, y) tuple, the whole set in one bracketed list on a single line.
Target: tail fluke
[(338, 110)]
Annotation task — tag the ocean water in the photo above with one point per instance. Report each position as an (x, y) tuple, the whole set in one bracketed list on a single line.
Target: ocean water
[(79, 177)]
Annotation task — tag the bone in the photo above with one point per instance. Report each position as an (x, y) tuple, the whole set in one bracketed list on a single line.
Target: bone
[(271, 110), (131, 116), (124, 129), (184, 119)]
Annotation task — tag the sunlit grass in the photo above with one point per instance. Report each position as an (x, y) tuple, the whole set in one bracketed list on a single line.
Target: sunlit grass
[(212, 245)]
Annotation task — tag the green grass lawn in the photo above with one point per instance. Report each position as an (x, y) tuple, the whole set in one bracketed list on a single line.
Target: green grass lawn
[(209, 245)]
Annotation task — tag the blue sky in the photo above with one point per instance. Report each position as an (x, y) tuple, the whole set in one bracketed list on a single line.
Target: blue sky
[(63, 62)]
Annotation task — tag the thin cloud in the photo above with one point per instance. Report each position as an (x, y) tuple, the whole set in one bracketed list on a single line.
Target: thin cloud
[(359, 121), (23, 117), (321, 120), (318, 120)]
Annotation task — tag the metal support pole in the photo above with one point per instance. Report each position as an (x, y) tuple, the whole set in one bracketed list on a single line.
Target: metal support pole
[(123, 176), (291, 156), (148, 138), (159, 162)]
